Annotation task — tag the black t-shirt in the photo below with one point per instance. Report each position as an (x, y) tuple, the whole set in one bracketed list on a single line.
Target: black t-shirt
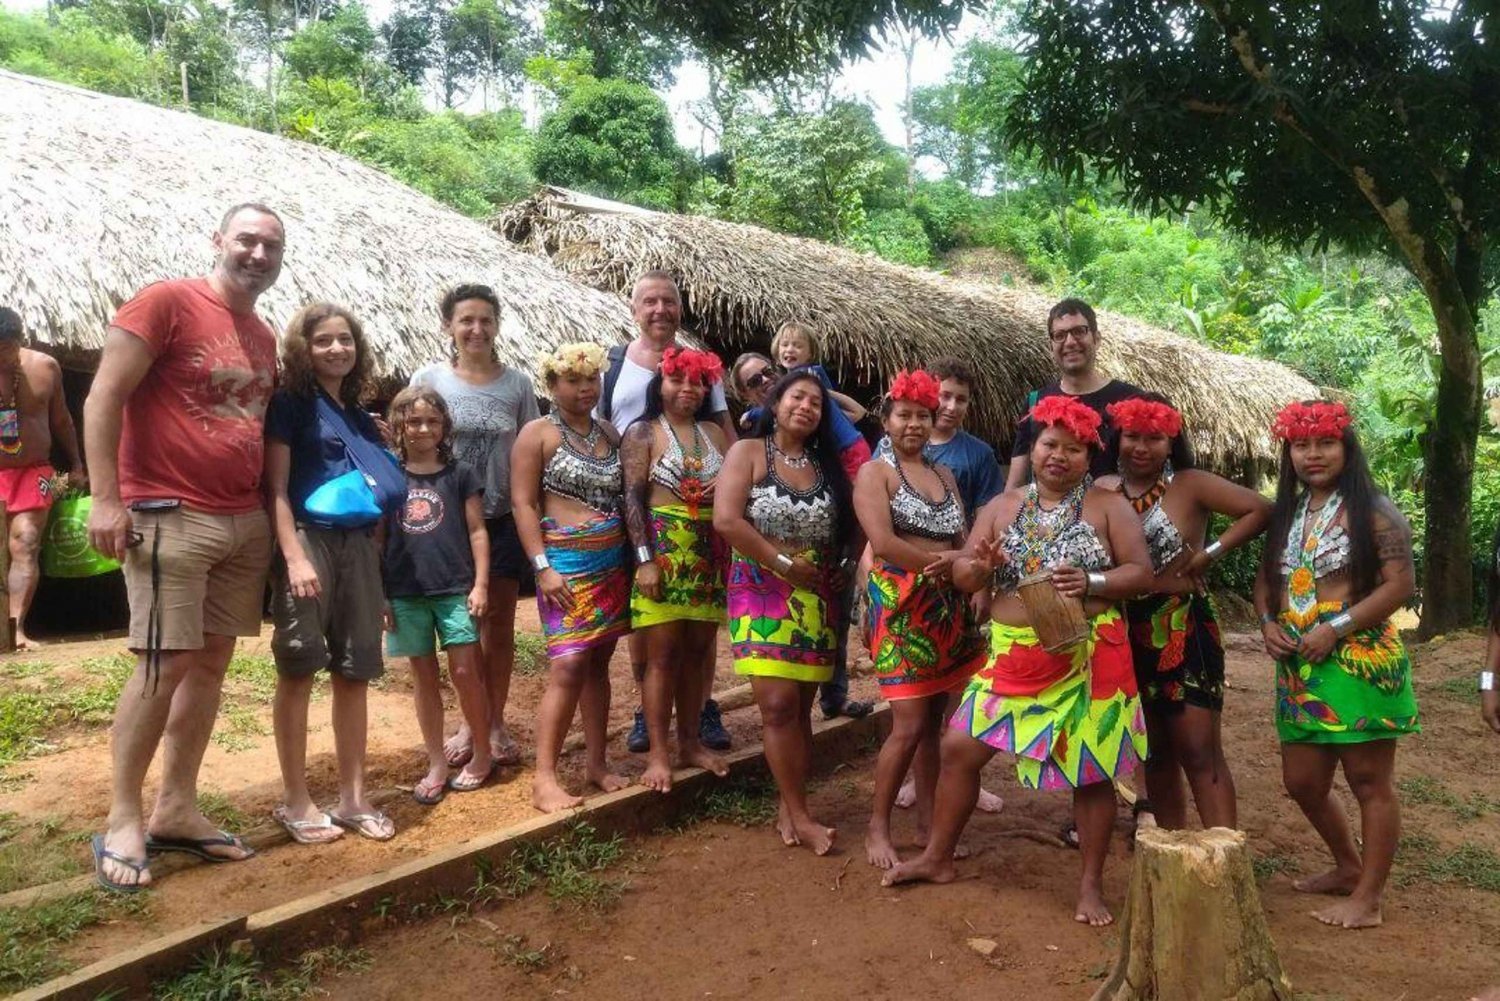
[(1112, 391), (427, 549)]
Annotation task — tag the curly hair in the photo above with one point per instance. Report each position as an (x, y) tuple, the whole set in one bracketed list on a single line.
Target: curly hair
[(296, 353), (403, 404)]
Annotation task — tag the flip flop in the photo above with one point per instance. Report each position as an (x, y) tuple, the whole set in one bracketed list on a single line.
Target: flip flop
[(433, 796), (455, 784), (366, 825), (301, 830), (200, 846), (509, 752), (137, 866)]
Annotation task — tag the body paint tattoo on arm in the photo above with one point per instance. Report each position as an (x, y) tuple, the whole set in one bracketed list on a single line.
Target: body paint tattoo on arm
[(635, 457)]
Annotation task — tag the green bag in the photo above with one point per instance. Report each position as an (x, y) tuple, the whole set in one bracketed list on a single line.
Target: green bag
[(65, 548)]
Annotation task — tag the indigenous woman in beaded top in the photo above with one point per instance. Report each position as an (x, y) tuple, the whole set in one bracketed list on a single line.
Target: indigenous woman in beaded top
[(784, 505), (672, 462), (1174, 637), (567, 489), (1337, 565), (917, 622), (1071, 717)]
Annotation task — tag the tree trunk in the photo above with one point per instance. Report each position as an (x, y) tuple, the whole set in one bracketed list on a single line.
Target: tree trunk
[(1193, 928), (1448, 448)]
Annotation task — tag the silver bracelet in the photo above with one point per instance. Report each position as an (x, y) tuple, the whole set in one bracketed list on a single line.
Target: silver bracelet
[(1266, 618), (784, 561), (1342, 624), (642, 555), (1213, 551), (1487, 681), (539, 562), (1096, 584)]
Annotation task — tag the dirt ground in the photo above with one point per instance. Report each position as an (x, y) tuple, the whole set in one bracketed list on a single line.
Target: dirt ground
[(728, 912)]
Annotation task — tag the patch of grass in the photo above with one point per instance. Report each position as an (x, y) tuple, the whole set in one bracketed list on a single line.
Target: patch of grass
[(228, 976), (1461, 688), (24, 668), (221, 812), (1421, 858), (30, 937), (23, 720), (237, 729), (1424, 790), (1266, 866), (515, 951), (531, 654), (252, 674), (743, 802), (31, 854), (567, 867), (94, 704)]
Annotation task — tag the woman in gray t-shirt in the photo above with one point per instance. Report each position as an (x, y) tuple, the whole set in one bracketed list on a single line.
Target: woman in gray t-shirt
[(489, 403)]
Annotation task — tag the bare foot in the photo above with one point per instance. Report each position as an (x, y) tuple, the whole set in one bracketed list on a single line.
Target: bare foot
[(785, 827), (879, 851), (606, 780), (1351, 913), (906, 796), (960, 851), (130, 843), (459, 748), (25, 643), (989, 802), (549, 797), (815, 836), (1493, 994), (503, 747), (702, 757), (658, 775), (1337, 881), (1091, 910), (922, 869)]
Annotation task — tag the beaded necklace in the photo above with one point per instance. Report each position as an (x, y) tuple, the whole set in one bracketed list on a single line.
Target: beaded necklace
[(1302, 582), (690, 484), (1036, 529)]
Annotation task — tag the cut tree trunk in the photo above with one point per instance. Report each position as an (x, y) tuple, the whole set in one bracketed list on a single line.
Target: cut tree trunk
[(1193, 928)]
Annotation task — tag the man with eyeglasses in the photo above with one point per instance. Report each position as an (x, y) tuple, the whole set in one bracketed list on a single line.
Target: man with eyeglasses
[(1074, 332)]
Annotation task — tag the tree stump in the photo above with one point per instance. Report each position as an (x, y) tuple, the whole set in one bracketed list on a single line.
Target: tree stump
[(1193, 929)]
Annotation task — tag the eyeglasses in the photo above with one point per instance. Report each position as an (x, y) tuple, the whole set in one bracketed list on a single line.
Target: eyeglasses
[(1078, 333), (760, 378)]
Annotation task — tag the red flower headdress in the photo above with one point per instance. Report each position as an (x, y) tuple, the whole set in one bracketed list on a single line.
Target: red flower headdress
[(917, 387), (1140, 416), (695, 366), (1079, 419), (1317, 419)]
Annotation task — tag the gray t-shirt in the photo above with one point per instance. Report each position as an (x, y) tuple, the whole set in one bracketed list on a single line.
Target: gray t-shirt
[(486, 420)]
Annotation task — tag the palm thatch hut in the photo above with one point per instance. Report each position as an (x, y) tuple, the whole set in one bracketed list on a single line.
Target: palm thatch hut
[(740, 282), (102, 196)]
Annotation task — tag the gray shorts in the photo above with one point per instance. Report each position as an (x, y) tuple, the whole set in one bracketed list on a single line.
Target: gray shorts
[(341, 628)]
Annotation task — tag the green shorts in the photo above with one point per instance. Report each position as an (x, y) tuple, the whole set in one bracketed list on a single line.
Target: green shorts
[(418, 620)]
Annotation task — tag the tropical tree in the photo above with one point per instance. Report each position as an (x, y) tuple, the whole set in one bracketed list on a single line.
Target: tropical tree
[(1373, 127)]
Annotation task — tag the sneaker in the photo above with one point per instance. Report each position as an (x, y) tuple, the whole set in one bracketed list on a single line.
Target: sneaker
[(711, 732), (639, 741)]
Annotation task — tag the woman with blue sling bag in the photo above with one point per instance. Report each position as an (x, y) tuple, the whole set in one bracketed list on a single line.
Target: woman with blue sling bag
[(330, 481)]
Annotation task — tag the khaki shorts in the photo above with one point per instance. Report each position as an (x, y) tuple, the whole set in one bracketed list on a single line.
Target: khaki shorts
[(211, 576)]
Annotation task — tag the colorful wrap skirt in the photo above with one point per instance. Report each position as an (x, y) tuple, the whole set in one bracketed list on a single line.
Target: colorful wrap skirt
[(1071, 718), (1179, 660), (592, 559), (1361, 692), (691, 557), (920, 632), (777, 630)]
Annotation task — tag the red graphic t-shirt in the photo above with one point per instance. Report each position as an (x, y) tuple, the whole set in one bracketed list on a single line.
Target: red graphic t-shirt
[(193, 428)]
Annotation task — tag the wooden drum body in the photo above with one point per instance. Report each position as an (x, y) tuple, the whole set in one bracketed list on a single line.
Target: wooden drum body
[(1059, 622)]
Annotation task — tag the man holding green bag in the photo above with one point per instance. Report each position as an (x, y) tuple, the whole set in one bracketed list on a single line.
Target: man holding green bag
[(32, 413)]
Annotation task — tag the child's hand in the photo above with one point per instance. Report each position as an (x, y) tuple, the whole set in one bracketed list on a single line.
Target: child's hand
[(388, 617), (302, 578), (479, 601)]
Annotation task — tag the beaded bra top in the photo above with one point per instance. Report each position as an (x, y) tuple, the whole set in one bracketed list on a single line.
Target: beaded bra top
[(913, 514), (1163, 540), (800, 518), (578, 474), (674, 465), (1040, 539), (1332, 555)]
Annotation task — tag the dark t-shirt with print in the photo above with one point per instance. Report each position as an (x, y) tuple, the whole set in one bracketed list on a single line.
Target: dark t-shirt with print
[(427, 550), (1112, 391), (317, 452)]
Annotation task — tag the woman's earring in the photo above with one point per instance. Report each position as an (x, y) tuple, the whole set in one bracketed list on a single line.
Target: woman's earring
[(1166, 470)]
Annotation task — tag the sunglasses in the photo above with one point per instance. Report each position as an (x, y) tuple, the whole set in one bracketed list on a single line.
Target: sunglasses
[(760, 378)]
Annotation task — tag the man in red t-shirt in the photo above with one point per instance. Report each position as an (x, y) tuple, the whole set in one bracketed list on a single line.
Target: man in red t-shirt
[(173, 435)]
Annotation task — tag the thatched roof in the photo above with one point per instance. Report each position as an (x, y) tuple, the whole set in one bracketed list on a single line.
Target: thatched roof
[(101, 196), (740, 282)]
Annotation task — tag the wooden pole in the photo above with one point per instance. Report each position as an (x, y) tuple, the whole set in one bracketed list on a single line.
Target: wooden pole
[(1193, 928), (187, 105), (8, 633)]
